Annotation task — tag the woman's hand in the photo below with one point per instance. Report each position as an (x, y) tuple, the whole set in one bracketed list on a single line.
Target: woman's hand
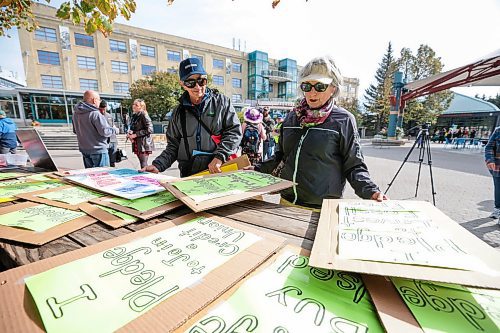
[(249, 168), (150, 168), (132, 136), (379, 196)]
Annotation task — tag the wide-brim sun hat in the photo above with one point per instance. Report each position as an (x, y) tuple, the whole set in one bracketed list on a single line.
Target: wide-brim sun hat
[(3, 114), (253, 116)]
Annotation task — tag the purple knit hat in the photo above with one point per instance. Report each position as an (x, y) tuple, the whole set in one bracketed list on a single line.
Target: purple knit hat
[(253, 115)]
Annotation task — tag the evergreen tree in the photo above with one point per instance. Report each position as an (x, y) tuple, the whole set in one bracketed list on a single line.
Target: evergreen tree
[(420, 66), (377, 95)]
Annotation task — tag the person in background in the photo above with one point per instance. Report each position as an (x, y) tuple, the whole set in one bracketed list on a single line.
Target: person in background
[(112, 140), (8, 139), (92, 131), (254, 133), (141, 128), (319, 147), (277, 128), (492, 159), (268, 143), (204, 130)]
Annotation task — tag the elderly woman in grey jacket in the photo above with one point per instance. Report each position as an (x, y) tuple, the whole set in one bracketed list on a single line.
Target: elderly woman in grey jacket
[(319, 146), (141, 128)]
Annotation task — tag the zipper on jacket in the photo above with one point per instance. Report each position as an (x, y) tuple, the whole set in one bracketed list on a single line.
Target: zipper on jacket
[(297, 165)]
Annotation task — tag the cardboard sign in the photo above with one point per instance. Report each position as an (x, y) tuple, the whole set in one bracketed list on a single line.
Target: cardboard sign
[(124, 183), (10, 175), (113, 218), (130, 279), (144, 208), (325, 253), (202, 193), (63, 222), (9, 192), (290, 296), (68, 196)]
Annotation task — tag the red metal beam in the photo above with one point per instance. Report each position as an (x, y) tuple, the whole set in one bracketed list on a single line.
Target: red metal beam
[(475, 72)]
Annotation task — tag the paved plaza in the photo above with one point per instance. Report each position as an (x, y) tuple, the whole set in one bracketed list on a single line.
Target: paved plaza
[(464, 189)]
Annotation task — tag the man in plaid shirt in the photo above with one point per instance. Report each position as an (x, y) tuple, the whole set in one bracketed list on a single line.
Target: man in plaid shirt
[(492, 157)]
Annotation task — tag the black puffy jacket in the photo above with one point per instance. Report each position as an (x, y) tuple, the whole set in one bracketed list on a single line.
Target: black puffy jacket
[(218, 114), (320, 159)]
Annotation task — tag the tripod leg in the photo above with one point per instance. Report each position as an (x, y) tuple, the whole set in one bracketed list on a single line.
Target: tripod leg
[(421, 154), (429, 161), (404, 161)]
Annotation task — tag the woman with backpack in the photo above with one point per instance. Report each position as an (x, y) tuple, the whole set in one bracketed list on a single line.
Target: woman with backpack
[(319, 148), (141, 128), (253, 134)]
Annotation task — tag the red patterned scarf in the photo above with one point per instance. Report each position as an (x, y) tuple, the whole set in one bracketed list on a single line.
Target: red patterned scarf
[(311, 117)]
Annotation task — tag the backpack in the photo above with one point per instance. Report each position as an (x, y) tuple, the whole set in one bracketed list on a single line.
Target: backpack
[(251, 139)]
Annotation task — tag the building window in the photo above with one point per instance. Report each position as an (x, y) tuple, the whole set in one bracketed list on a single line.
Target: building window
[(120, 87), (236, 97), (218, 80), (88, 84), (173, 56), (200, 58), (172, 70), (147, 70), (148, 51), (50, 58), (49, 81), (119, 67), (236, 83), (86, 62), (271, 88), (84, 40), (46, 34), (217, 63), (117, 46), (237, 67)]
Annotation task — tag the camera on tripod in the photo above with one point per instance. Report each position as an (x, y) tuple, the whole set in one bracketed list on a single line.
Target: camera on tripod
[(425, 126)]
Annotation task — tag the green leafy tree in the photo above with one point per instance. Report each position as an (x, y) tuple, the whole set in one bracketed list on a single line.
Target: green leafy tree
[(494, 100), (352, 105), (160, 91), (94, 15), (377, 95), (423, 64)]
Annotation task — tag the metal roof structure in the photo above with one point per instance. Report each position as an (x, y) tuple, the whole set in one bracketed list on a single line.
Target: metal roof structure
[(482, 72), (461, 104)]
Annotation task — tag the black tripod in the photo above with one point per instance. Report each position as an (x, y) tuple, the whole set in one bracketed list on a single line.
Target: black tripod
[(424, 147)]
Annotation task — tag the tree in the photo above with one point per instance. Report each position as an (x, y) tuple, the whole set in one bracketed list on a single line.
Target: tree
[(494, 100), (160, 91), (95, 15), (425, 63), (377, 95), (351, 105)]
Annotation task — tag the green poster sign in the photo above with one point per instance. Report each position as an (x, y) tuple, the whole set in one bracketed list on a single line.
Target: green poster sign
[(39, 217), (8, 192), (291, 296), (71, 195), (8, 175), (146, 203), (123, 216), (441, 307), (222, 185), (104, 291), (31, 178)]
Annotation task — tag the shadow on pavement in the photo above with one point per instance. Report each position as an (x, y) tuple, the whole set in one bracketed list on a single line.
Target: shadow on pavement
[(482, 227)]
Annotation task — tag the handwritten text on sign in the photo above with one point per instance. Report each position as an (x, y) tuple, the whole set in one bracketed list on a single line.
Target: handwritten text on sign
[(441, 307), (103, 292), (391, 232), (203, 189), (290, 296)]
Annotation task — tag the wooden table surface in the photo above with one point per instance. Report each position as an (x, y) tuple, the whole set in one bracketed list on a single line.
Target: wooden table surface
[(295, 224)]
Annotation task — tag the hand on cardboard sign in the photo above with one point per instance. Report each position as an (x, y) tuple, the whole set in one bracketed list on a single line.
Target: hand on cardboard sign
[(379, 196), (214, 166), (150, 168)]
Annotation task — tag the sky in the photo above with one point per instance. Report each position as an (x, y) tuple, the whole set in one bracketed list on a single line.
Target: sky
[(355, 33)]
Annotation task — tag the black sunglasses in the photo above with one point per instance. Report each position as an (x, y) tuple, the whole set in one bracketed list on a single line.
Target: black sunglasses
[(319, 87), (191, 83)]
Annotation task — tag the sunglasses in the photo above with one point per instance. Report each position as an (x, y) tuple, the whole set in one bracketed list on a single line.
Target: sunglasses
[(191, 83), (319, 87)]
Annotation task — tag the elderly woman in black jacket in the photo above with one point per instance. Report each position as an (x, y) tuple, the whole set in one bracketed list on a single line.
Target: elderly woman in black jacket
[(141, 128), (319, 146)]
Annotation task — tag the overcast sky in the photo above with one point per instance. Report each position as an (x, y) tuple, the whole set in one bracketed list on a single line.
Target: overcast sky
[(356, 32)]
